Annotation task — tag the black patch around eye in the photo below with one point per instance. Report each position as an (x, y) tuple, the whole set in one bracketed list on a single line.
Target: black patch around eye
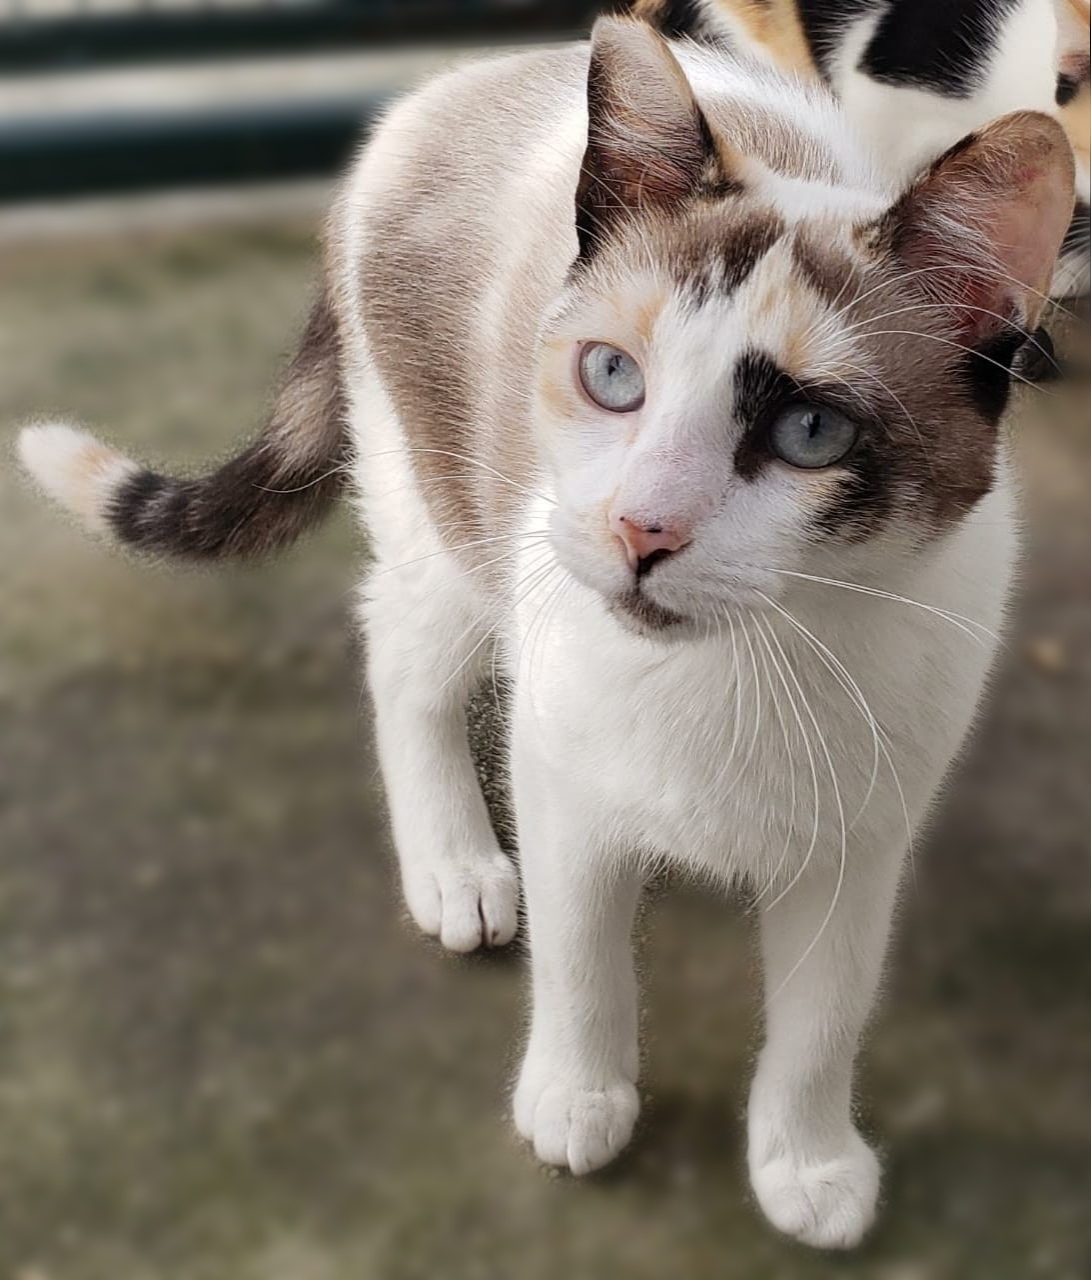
[(1068, 87), (866, 493), (988, 372), (865, 496), (759, 387)]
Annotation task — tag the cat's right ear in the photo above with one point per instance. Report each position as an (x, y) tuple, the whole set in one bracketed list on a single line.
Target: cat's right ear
[(648, 144), (981, 229)]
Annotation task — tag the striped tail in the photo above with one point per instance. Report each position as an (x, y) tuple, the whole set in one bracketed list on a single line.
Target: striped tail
[(262, 499)]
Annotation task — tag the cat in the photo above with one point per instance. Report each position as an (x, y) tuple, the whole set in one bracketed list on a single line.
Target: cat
[(656, 392), (916, 75)]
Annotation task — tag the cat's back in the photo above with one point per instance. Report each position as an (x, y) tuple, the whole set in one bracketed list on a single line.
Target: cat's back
[(453, 229), (446, 157)]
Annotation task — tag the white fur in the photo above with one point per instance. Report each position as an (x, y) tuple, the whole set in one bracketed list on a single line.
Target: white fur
[(741, 754), (612, 761), (909, 127), (74, 469)]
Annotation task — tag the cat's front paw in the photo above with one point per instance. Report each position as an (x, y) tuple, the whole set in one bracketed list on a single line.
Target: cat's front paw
[(467, 903), (576, 1124), (828, 1204)]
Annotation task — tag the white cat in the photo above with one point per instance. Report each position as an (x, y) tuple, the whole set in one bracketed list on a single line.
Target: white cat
[(643, 377)]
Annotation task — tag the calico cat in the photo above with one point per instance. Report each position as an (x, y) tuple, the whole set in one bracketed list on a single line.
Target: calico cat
[(653, 390), (916, 75)]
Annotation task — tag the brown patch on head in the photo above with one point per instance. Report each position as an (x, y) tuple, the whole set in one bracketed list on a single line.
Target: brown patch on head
[(871, 344), (712, 252), (826, 269)]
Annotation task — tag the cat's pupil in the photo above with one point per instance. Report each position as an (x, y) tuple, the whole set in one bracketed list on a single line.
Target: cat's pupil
[(614, 365), (813, 423)]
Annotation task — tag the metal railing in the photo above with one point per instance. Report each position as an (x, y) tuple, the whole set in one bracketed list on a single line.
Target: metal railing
[(48, 154)]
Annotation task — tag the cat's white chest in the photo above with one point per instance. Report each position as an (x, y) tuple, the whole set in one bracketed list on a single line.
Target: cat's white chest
[(720, 753), (749, 751)]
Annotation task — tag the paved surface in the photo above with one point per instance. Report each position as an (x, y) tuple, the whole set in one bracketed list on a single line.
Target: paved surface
[(225, 1056)]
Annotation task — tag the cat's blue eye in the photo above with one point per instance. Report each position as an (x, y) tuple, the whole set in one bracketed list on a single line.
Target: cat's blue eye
[(812, 436), (611, 377)]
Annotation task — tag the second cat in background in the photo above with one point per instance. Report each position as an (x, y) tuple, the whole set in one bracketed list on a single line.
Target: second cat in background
[(916, 76)]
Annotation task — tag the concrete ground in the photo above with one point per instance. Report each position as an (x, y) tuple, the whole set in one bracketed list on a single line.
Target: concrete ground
[(224, 1055)]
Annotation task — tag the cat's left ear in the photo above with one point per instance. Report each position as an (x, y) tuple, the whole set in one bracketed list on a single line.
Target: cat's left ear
[(981, 229), (648, 143)]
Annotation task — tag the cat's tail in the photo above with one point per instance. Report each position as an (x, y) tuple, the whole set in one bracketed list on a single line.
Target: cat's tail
[(263, 498)]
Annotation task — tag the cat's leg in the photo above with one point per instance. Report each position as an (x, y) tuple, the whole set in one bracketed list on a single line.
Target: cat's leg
[(814, 1176), (427, 641), (576, 1099)]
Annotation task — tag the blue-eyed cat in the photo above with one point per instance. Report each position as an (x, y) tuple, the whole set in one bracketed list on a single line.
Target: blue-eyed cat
[(655, 389)]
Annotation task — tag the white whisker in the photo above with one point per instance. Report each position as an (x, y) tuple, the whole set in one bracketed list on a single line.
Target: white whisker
[(845, 680), (766, 657), (958, 620), (844, 838), (806, 738)]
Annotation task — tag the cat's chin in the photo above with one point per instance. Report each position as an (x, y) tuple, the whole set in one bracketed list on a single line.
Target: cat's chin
[(643, 617)]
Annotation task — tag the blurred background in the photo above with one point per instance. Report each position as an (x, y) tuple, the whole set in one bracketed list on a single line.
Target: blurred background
[(224, 1055)]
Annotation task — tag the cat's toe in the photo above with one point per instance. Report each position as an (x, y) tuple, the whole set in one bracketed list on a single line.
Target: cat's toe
[(827, 1204), (468, 904), (576, 1126)]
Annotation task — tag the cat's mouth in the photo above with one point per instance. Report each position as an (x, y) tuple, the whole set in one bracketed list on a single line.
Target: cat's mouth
[(636, 612)]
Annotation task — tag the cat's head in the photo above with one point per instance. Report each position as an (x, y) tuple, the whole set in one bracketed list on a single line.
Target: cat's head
[(751, 372)]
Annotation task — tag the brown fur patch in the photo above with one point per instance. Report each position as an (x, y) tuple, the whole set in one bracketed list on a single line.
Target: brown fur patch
[(431, 261), (775, 26), (1075, 118), (711, 253), (646, 316), (773, 141), (827, 271), (272, 491)]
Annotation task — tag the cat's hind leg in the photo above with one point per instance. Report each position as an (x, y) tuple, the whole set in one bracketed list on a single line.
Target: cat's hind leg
[(428, 639)]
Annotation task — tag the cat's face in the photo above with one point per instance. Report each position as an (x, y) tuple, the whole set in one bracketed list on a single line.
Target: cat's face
[(742, 383)]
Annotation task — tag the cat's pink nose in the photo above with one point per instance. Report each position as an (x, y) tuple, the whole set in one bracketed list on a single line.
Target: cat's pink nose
[(647, 544)]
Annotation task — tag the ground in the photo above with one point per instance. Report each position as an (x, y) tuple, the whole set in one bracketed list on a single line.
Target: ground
[(225, 1054)]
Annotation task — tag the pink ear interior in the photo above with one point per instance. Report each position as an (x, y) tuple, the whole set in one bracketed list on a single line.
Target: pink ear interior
[(647, 143), (985, 224)]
